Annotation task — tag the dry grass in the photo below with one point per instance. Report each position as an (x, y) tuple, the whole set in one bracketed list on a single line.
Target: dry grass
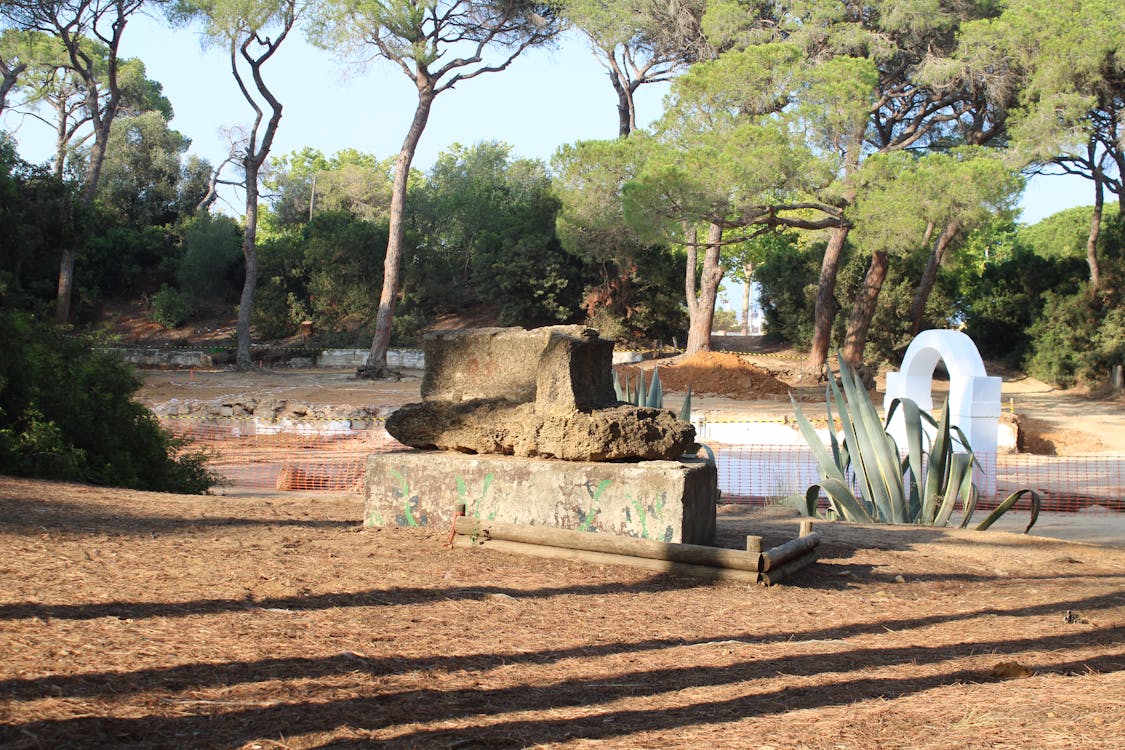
[(143, 620)]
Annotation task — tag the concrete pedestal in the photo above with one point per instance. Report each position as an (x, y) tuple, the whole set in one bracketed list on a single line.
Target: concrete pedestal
[(670, 501)]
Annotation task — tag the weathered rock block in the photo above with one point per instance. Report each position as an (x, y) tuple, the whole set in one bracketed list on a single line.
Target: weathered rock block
[(505, 363), (671, 501), (545, 392), (621, 433)]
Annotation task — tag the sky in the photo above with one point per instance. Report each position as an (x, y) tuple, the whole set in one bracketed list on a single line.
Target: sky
[(547, 98)]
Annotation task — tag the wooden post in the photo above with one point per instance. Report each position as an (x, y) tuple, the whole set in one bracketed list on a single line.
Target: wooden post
[(782, 572), (806, 527), (754, 544), (776, 556)]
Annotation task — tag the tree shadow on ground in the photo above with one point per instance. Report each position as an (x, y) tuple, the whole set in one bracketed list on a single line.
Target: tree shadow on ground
[(418, 705), (231, 673)]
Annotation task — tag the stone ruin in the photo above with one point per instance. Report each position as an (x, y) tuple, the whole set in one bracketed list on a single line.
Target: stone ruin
[(546, 393)]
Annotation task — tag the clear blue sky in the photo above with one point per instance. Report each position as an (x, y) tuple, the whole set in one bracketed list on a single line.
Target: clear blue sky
[(546, 99)]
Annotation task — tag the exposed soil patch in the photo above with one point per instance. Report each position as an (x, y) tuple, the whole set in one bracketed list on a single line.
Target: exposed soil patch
[(716, 373), (133, 619)]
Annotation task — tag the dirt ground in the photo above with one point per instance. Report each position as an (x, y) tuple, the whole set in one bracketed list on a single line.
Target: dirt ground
[(132, 619)]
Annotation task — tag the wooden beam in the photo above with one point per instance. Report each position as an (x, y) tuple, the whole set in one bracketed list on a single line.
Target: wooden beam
[(605, 558), (776, 556), (689, 554), (781, 572)]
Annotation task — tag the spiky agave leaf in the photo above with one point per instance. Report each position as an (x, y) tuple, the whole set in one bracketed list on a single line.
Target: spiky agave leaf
[(618, 389), (656, 391), (912, 421), (685, 409), (1004, 507)]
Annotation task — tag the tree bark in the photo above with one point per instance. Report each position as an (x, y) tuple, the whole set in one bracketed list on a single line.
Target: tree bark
[(10, 75), (255, 157), (377, 357), (929, 276), (748, 274), (863, 310), (825, 305), (243, 358), (701, 304), (1095, 232), (101, 115)]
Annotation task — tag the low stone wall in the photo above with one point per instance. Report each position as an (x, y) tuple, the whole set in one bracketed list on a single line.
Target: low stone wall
[(154, 357), (671, 501), (409, 359)]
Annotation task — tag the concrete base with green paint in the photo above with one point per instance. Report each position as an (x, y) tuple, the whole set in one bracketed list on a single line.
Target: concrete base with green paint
[(671, 501)]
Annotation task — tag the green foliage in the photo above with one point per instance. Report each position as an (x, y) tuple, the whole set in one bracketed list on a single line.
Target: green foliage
[(143, 179), (171, 308), (39, 216), (788, 276), (307, 182), (120, 260), (211, 263), (724, 320), (1000, 296), (1076, 340), (1064, 234), (66, 412), (328, 272), (486, 235), (922, 488)]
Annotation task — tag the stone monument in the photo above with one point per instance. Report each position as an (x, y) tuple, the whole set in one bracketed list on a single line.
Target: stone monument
[(524, 426)]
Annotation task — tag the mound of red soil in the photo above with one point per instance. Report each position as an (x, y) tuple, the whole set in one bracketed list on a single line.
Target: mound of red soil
[(718, 374)]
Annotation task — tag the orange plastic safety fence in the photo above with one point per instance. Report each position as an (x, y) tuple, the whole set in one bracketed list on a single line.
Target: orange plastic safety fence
[(317, 455), (763, 473), (331, 456)]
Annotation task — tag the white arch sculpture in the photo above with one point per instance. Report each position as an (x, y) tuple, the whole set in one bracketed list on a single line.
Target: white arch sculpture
[(974, 396)]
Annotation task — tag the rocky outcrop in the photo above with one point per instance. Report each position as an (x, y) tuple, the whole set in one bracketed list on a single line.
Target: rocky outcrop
[(547, 392)]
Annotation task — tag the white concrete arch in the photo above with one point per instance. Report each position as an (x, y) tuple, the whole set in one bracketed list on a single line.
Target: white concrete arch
[(974, 396)]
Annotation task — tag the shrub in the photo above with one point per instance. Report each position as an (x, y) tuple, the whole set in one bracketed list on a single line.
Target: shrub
[(212, 261), (66, 412), (171, 308)]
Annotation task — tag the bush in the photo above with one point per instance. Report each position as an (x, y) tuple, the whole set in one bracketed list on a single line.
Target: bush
[(1077, 339), (171, 308), (66, 412), (212, 263)]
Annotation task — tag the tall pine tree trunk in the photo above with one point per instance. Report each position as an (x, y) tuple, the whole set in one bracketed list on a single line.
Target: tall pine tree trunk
[(748, 274), (929, 276), (376, 366), (701, 302), (863, 309), (825, 305), (1095, 232)]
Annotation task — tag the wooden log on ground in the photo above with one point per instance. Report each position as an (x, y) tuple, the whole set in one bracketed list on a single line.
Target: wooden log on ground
[(782, 554), (781, 572), (688, 554), (606, 558)]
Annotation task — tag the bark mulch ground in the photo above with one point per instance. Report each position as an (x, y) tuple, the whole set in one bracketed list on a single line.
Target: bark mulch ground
[(132, 619)]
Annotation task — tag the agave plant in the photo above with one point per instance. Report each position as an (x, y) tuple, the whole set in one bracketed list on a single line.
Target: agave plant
[(921, 488), (652, 395)]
